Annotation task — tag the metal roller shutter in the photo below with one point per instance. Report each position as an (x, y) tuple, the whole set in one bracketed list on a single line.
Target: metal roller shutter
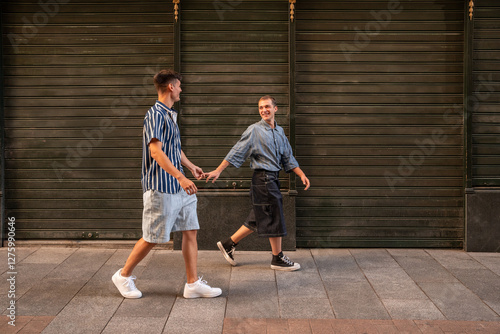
[(375, 83), (78, 81), (232, 53), (485, 99)]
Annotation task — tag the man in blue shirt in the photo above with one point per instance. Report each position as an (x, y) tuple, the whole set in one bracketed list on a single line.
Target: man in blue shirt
[(268, 148), (168, 195)]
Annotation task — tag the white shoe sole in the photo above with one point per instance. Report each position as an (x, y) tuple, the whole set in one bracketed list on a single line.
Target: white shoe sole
[(198, 295), (295, 267), (226, 256)]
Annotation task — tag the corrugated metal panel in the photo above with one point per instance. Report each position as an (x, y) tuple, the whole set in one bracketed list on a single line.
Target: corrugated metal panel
[(78, 81), (232, 53), (376, 83), (485, 102)]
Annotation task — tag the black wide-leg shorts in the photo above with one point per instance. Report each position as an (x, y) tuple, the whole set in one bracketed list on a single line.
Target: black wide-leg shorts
[(266, 217)]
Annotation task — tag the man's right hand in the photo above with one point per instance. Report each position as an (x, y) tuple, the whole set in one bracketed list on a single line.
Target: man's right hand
[(213, 174), (188, 186)]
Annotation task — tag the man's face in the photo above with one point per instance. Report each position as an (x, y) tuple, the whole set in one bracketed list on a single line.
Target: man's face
[(267, 111), (176, 90)]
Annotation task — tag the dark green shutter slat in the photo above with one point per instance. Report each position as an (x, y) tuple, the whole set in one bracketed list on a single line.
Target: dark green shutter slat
[(360, 117), (89, 68)]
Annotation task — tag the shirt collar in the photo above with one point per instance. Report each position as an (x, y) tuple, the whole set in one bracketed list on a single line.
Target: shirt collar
[(163, 106), (172, 112), (267, 126)]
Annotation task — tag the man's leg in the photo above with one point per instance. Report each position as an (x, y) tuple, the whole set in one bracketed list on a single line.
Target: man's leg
[(242, 232), (190, 254), (123, 278), (194, 288), (141, 249), (275, 245)]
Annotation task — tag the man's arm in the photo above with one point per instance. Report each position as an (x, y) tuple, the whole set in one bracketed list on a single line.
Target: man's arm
[(195, 170), (216, 173), (165, 163), (302, 176)]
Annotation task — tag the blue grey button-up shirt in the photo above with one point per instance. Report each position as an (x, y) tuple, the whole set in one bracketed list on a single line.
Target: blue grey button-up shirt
[(267, 148)]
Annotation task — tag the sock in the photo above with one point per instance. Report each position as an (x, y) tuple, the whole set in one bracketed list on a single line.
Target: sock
[(229, 243)]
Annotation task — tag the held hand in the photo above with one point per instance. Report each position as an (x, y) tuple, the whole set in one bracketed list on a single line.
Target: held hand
[(197, 172), (305, 181), (188, 186), (213, 174)]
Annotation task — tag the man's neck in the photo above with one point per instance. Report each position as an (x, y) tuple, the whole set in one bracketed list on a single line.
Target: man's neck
[(272, 123), (166, 100)]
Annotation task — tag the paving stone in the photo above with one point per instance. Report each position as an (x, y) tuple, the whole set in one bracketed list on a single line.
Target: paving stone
[(211, 259), (277, 326), (489, 260), (406, 326), (48, 297), (82, 264), (374, 258), (321, 326), (250, 273), (28, 275), (455, 259), (457, 302), (308, 308), (120, 256), (421, 267), (191, 316), (84, 315), (412, 309), (157, 300), (20, 322), (343, 326), (245, 325), (136, 325), (393, 283), (36, 325), (484, 283), (337, 265), (50, 255), (291, 284), (299, 326), (355, 300), (253, 300)]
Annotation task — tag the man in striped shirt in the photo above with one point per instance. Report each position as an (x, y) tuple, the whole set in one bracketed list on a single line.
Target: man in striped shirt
[(268, 148), (169, 197)]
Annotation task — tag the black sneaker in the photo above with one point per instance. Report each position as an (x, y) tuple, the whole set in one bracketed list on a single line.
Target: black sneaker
[(282, 262), (227, 250)]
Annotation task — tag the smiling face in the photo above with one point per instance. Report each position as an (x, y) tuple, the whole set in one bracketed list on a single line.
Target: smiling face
[(267, 110), (176, 90)]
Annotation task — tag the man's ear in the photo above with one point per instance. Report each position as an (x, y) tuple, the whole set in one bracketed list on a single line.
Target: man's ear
[(170, 87)]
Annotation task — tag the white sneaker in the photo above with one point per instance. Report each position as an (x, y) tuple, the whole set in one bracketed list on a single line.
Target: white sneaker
[(126, 285), (200, 288)]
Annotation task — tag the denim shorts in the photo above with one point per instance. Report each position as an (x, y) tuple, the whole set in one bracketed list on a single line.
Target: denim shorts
[(165, 213), (266, 217)]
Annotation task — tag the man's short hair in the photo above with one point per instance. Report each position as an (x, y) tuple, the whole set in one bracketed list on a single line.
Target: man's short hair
[(165, 77), (269, 97)]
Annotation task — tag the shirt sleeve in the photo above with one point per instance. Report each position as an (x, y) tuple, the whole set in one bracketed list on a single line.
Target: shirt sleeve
[(287, 159), (242, 149), (154, 127)]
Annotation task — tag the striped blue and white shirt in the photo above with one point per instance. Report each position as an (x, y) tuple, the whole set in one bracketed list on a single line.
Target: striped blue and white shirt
[(267, 148), (160, 122)]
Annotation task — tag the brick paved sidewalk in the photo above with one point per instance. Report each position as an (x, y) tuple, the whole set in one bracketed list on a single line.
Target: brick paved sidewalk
[(69, 290), (320, 326)]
